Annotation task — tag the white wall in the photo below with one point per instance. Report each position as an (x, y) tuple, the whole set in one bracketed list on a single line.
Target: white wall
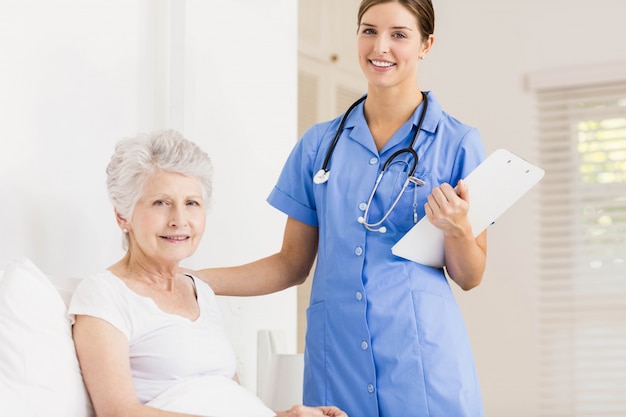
[(77, 76), (69, 89), (483, 52), (241, 97)]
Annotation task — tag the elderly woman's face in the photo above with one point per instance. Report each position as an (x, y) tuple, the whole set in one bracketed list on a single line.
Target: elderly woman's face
[(169, 218)]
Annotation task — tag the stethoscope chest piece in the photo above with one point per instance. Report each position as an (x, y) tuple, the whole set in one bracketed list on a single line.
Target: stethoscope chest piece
[(322, 176)]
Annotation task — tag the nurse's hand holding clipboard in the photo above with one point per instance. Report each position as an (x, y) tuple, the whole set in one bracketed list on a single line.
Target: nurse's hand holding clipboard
[(465, 255), (447, 207)]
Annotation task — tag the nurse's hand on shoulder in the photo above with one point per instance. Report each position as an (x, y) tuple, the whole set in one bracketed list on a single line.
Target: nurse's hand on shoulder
[(447, 208), (303, 411)]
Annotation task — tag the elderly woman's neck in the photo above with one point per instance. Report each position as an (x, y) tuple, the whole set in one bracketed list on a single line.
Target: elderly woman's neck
[(146, 270)]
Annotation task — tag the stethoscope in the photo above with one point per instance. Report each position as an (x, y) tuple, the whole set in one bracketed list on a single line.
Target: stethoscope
[(322, 175)]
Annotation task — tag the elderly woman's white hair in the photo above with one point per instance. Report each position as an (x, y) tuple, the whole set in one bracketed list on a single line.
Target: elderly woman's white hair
[(136, 159)]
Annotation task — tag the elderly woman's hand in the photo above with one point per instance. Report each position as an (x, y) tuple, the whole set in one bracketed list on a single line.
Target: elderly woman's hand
[(303, 411)]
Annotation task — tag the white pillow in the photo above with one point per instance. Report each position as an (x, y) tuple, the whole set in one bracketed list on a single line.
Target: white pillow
[(211, 395), (39, 370), (65, 286)]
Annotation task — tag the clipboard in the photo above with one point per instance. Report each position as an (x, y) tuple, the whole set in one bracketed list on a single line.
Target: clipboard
[(494, 186)]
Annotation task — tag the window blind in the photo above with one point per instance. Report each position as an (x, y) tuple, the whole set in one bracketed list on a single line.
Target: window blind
[(582, 240)]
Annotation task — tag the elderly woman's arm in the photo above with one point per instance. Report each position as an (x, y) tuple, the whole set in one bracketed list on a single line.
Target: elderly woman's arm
[(103, 355), (104, 360)]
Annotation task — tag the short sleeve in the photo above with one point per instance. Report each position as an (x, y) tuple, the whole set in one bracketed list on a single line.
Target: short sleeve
[(293, 193), (100, 296), (470, 154)]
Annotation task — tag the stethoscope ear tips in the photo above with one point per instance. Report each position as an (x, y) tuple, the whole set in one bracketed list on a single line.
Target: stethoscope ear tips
[(322, 176)]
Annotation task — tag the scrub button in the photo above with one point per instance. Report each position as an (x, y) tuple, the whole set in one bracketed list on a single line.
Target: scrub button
[(370, 388), (362, 206), (364, 345), (358, 296), (373, 161), (358, 251)]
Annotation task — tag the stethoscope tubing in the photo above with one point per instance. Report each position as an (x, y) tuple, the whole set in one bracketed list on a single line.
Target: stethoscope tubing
[(322, 175), (331, 149)]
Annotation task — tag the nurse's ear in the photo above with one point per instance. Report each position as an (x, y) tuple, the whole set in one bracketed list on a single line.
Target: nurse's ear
[(426, 45)]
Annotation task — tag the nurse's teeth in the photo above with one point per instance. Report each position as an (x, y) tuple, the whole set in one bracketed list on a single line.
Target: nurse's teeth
[(382, 64)]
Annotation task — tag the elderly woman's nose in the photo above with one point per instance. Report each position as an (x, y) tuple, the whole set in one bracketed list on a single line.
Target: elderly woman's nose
[(178, 216)]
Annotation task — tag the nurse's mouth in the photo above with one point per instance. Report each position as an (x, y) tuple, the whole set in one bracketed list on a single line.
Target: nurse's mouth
[(382, 64)]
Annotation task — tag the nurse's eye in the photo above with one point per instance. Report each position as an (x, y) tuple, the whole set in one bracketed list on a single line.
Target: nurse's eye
[(368, 31), (399, 35)]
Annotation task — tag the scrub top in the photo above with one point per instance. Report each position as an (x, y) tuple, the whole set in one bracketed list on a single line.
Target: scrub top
[(385, 336)]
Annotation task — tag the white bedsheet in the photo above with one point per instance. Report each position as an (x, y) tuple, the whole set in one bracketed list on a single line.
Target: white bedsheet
[(211, 396)]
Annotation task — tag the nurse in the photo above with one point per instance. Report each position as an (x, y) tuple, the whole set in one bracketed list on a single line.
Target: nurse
[(385, 336)]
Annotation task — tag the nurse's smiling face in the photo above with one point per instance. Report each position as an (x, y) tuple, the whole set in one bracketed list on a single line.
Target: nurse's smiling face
[(390, 45)]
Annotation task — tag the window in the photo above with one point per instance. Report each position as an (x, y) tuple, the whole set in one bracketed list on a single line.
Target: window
[(582, 306)]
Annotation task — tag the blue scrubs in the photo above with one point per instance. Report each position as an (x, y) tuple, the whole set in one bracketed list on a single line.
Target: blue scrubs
[(385, 336)]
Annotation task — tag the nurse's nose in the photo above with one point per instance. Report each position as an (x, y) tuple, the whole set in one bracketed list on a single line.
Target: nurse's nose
[(381, 46)]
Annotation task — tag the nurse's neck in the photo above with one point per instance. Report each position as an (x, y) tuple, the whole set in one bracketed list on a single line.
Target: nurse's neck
[(385, 112)]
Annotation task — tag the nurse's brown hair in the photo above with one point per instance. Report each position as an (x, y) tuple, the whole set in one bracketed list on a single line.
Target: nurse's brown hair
[(422, 10)]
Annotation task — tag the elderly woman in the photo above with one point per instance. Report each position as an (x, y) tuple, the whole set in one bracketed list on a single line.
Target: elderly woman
[(142, 328)]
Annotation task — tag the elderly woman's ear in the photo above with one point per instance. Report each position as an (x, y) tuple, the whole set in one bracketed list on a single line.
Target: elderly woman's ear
[(121, 221)]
